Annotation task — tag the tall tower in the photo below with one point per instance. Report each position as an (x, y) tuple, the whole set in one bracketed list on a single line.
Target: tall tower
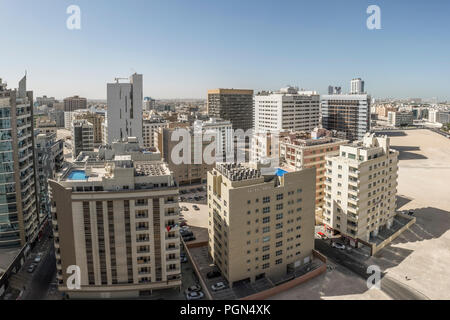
[(18, 203), (124, 114)]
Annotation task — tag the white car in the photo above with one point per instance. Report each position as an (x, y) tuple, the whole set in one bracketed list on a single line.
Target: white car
[(218, 286), (37, 259), (338, 245), (194, 295)]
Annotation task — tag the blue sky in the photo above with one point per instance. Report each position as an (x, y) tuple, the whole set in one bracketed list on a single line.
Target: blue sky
[(184, 47)]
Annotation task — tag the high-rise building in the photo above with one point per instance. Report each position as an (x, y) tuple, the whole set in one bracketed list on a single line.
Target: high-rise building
[(82, 136), (361, 188), (75, 103), (260, 225), (303, 150), (149, 103), (124, 114), (118, 222), (357, 86), (349, 113), (18, 204), (287, 109), (49, 160), (235, 105)]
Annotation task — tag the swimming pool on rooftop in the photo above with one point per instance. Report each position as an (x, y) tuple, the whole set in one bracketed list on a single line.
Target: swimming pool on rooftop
[(77, 175)]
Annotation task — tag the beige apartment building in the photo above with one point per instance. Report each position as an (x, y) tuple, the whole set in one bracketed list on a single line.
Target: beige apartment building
[(361, 188), (95, 119), (300, 150), (118, 223), (192, 170), (260, 224)]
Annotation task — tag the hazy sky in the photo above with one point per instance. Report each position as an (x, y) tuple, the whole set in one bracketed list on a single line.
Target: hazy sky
[(185, 47)]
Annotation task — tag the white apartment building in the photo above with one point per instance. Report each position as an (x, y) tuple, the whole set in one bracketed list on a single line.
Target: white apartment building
[(124, 114), (361, 188), (221, 131), (118, 222), (357, 86), (260, 225), (400, 118), (287, 109)]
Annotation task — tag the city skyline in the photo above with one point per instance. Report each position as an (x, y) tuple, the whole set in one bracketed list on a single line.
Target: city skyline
[(185, 48)]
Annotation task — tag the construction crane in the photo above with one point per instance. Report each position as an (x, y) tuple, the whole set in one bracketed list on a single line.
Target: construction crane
[(117, 79)]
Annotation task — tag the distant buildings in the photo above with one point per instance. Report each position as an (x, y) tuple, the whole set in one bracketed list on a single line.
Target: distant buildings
[(357, 86), (96, 119), (82, 137), (149, 104), (260, 225), (124, 115), (117, 221), (19, 219), (361, 188), (400, 118), (235, 105), (150, 129), (49, 160), (439, 116), (75, 103), (222, 132), (44, 100), (287, 109), (349, 113), (191, 167)]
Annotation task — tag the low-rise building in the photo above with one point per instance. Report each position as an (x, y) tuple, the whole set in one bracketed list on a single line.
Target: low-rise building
[(400, 118)]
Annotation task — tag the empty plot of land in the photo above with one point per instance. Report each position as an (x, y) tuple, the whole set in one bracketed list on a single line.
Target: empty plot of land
[(419, 257)]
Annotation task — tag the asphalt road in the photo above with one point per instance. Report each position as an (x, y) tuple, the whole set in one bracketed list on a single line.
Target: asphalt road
[(395, 289)]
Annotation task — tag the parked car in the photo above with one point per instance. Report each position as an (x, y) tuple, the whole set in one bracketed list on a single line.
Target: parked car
[(183, 223), (184, 208), (213, 274), (218, 286), (186, 233), (194, 288), (200, 189), (194, 295), (183, 259), (411, 212), (196, 208), (338, 245), (196, 198), (188, 238), (38, 258), (182, 199), (322, 235), (31, 268)]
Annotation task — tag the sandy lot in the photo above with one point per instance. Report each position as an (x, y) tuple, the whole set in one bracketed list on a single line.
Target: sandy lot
[(423, 252)]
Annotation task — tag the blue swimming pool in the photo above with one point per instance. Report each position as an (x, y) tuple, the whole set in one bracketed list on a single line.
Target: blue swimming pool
[(77, 175)]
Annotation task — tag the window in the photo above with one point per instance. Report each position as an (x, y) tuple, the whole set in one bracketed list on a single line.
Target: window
[(279, 226), (266, 199), (279, 261), (279, 216), (280, 196), (279, 206), (279, 253), (266, 248), (266, 210), (266, 257), (266, 229), (265, 239), (266, 220), (279, 244)]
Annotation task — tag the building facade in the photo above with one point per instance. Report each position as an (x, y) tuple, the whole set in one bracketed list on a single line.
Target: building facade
[(349, 113), (235, 105), (287, 109), (124, 114), (260, 225), (96, 119), (75, 103), (82, 137), (119, 223), (49, 160), (19, 219), (400, 118), (150, 129), (361, 188)]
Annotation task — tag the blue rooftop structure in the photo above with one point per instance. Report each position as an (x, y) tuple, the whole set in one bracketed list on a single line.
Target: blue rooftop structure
[(280, 172), (77, 175)]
